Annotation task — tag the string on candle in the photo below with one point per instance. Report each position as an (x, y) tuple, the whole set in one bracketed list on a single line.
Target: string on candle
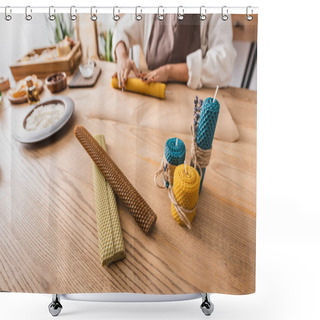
[(182, 212), (184, 194), (174, 155), (202, 131)]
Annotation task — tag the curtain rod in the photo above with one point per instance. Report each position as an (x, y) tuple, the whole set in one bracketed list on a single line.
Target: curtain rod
[(128, 9)]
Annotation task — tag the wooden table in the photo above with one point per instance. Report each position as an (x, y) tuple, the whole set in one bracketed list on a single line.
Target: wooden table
[(48, 229)]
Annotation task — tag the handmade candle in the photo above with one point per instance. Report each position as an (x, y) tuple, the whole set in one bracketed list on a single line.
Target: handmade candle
[(155, 89), (205, 125), (136, 205), (175, 153), (185, 190), (111, 244)]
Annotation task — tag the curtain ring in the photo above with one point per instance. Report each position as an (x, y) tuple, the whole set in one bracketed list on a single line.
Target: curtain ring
[(52, 17), (249, 17), (224, 16), (203, 15), (7, 16), (73, 16), (115, 16), (180, 14), (138, 16), (160, 16), (93, 16), (28, 16)]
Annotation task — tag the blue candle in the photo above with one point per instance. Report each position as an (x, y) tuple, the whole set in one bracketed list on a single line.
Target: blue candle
[(175, 154), (206, 126)]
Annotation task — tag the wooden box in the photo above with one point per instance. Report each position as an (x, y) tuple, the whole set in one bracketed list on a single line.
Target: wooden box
[(42, 69)]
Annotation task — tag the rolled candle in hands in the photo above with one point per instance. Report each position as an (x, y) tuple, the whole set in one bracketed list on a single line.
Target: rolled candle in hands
[(136, 205), (154, 89), (186, 184)]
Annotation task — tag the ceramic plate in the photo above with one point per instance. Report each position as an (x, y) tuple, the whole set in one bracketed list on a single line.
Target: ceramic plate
[(26, 136)]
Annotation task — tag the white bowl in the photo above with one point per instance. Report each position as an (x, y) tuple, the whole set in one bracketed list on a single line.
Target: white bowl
[(86, 69)]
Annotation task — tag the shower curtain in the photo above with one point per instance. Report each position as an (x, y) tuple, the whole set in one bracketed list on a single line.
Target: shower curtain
[(128, 153)]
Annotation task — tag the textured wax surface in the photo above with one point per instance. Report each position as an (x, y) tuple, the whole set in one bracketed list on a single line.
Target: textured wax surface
[(111, 244), (136, 205), (206, 127), (186, 191), (175, 151), (155, 89), (207, 123)]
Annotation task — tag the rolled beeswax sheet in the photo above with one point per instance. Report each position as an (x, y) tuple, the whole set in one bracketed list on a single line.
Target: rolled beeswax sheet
[(156, 89), (207, 123), (136, 205), (111, 242), (186, 184), (175, 153), (206, 128), (174, 113)]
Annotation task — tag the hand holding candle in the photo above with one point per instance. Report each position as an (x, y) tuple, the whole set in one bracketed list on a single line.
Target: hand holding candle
[(155, 89)]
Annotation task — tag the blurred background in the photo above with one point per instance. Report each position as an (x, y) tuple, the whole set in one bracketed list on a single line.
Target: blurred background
[(97, 36)]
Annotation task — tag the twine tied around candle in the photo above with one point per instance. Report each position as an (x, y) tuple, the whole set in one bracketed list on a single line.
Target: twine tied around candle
[(174, 155), (166, 169), (166, 172), (181, 210), (167, 176), (199, 158), (202, 130)]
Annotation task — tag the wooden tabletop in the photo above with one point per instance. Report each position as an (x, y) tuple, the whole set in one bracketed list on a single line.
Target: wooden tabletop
[(48, 229)]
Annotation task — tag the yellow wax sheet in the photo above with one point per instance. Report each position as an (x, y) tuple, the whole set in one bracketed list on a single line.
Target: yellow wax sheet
[(111, 242)]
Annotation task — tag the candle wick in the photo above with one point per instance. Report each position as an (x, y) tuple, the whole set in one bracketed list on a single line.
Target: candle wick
[(185, 167), (176, 142), (215, 94)]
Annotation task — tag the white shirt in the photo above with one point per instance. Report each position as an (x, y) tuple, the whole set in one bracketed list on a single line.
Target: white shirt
[(209, 66)]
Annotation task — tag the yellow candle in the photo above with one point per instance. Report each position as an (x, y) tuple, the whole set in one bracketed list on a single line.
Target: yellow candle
[(154, 89), (186, 184)]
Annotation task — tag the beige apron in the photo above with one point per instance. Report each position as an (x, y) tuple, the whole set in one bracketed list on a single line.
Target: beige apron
[(171, 40)]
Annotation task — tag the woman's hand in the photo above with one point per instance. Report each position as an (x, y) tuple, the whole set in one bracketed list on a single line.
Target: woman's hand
[(169, 72), (124, 68), (124, 65), (158, 75)]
